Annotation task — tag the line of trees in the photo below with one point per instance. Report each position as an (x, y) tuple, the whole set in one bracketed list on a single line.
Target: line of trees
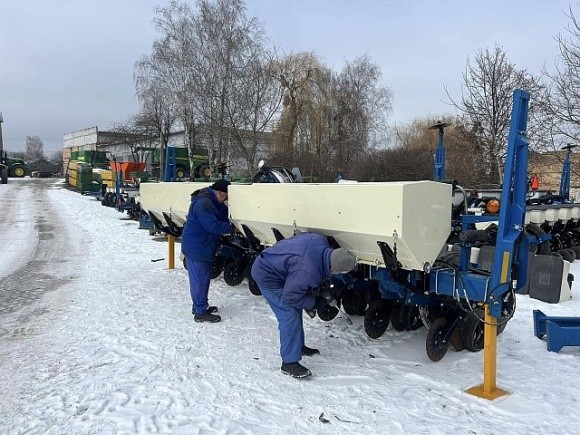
[(212, 73)]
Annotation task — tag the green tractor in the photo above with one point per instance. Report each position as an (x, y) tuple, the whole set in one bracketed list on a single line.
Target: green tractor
[(15, 167), (202, 168)]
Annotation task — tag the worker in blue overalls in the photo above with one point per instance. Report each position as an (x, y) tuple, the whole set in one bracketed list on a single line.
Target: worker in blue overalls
[(290, 274), (207, 220)]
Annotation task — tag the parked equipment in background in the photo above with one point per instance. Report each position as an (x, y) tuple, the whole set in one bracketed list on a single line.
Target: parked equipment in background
[(439, 167), (566, 172)]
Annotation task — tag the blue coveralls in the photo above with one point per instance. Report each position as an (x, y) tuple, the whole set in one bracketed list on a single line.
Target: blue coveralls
[(286, 273), (207, 219)]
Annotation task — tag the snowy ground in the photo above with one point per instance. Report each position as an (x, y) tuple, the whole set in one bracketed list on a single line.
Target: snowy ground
[(97, 338)]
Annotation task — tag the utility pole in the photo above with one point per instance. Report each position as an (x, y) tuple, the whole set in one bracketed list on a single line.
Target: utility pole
[(1, 141), (3, 167)]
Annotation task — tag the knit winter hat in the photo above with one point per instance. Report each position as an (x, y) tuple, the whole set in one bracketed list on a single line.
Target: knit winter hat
[(342, 261), (221, 186)]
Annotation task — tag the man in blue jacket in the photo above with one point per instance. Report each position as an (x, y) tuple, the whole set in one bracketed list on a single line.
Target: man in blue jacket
[(207, 220), (289, 274)]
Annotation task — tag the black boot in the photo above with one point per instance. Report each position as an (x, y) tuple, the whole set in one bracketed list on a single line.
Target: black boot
[(212, 309), (206, 317), (296, 370), (309, 351)]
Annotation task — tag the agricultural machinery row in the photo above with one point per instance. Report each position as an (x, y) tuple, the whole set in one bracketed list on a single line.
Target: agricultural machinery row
[(428, 253)]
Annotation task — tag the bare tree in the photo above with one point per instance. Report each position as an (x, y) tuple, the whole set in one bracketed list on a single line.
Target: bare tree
[(486, 103), (562, 99), (34, 148), (252, 107), (173, 58), (362, 105), (157, 115), (141, 138)]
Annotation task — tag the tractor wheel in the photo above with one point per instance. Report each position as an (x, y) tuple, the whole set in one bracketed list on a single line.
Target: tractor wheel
[(472, 331), (233, 272), (354, 302), (205, 171), (435, 344), (180, 173), (572, 253), (3, 176), (377, 318), (576, 249), (18, 171), (395, 317), (410, 317), (217, 266)]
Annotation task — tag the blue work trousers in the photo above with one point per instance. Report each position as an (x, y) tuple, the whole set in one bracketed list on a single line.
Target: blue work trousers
[(199, 277), (289, 324)]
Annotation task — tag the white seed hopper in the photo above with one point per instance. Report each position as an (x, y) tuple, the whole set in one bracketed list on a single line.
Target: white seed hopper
[(168, 197), (414, 216)]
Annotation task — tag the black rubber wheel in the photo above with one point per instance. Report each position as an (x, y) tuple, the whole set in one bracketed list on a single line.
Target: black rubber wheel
[(572, 253), (325, 316), (254, 289), (576, 249), (410, 317), (233, 272), (544, 247), (435, 344), (395, 317), (456, 338), (377, 318), (472, 331), (354, 302), (180, 173), (565, 255), (217, 266)]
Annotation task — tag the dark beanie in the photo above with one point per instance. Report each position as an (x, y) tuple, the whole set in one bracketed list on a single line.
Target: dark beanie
[(221, 186)]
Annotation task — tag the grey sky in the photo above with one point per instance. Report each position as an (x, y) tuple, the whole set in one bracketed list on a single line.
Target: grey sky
[(68, 64)]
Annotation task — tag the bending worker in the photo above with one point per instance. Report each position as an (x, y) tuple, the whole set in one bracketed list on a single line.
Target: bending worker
[(289, 274), (207, 219)]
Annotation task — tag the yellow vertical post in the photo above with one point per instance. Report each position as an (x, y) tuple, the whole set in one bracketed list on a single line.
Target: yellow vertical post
[(488, 390), (171, 262)]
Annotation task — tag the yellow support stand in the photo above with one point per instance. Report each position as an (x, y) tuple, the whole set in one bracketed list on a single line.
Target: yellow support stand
[(488, 390), (171, 262)]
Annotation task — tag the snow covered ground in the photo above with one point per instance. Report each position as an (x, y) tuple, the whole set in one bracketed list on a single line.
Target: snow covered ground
[(96, 337)]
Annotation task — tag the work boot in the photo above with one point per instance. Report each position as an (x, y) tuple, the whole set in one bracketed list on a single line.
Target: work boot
[(211, 309), (296, 370), (309, 351), (206, 317)]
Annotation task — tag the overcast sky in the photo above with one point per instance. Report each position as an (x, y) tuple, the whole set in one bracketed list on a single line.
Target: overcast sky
[(66, 65)]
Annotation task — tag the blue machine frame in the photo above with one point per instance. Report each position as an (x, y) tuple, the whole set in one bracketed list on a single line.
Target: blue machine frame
[(461, 283)]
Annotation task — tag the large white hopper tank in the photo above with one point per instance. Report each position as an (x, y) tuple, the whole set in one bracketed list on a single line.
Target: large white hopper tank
[(414, 216), (169, 196)]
